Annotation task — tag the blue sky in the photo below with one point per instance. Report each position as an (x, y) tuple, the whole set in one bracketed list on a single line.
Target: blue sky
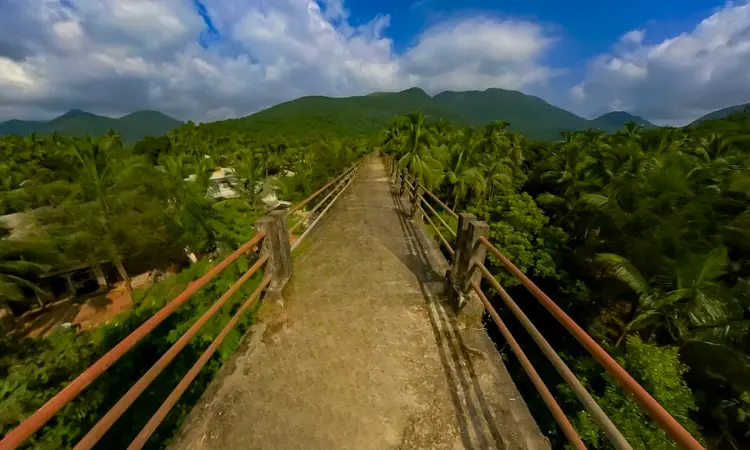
[(669, 61)]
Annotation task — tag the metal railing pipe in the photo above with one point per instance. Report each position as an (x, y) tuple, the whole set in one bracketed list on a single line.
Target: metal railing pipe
[(441, 203), (316, 193), (320, 203), (317, 219), (104, 424), (69, 392), (544, 392), (427, 204), (597, 414), (440, 235), (170, 401), (660, 415)]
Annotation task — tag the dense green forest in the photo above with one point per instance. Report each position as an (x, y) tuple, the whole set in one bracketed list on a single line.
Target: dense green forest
[(643, 236), (94, 199)]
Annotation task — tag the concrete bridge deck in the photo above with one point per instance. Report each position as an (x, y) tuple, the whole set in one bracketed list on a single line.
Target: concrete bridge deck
[(364, 355)]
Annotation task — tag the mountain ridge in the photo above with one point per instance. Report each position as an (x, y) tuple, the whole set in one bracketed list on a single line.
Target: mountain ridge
[(364, 115), (131, 127), (368, 114), (614, 120), (721, 113)]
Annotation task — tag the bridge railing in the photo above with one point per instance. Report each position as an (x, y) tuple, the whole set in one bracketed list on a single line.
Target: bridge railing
[(467, 245), (271, 251)]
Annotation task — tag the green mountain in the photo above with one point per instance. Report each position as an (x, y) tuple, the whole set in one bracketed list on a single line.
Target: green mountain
[(722, 113), (316, 115), (529, 115), (369, 114), (614, 120), (131, 128)]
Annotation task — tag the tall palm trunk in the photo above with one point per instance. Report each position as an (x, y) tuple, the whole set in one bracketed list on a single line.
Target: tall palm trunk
[(123, 273)]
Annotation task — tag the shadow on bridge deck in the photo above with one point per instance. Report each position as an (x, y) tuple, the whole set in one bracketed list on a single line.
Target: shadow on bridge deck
[(365, 354)]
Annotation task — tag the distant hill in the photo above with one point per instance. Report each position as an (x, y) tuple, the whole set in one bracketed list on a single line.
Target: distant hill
[(351, 116), (529, 115), (131, 128), (367, 115), (722, 113), (317, 115), (614, 121)]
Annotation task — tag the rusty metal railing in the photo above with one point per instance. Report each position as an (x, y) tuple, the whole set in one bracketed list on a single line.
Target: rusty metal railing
[(304, 202), (104, 424), (544, 392), (32, 423), (337, 190), (663, 419), (167, 405), (339, 186)]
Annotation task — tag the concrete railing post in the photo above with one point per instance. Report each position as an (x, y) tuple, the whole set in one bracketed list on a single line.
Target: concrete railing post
[(416, 213), (469, 252), (403, 183), (277, 248)]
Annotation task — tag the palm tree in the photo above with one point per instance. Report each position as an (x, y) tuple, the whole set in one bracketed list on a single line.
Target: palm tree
[(691, 300), (515, 151), (498, 172), (22, 262), (495, 140), (108, 179), (463, 177), (715, 147), (417, 150)]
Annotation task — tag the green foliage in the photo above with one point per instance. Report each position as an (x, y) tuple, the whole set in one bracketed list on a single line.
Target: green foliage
[(517, 228), (22, 262), (659, 370)]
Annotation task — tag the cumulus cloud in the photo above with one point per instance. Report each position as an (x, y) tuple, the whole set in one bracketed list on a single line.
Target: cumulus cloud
[(677, 80), (633, 37), (211, 59), (479, 53)]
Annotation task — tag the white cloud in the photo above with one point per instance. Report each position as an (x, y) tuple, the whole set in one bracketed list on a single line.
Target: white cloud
[(577, 92), (116, 56), (479, 54), (633, 37), (679, 79)]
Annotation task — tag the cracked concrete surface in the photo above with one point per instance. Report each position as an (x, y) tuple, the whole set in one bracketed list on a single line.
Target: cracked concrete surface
[(364, 355)]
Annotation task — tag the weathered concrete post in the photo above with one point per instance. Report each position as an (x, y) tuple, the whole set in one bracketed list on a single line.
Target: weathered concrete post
[(403, 183), (277, 248), (416, 212), (469, 252)]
